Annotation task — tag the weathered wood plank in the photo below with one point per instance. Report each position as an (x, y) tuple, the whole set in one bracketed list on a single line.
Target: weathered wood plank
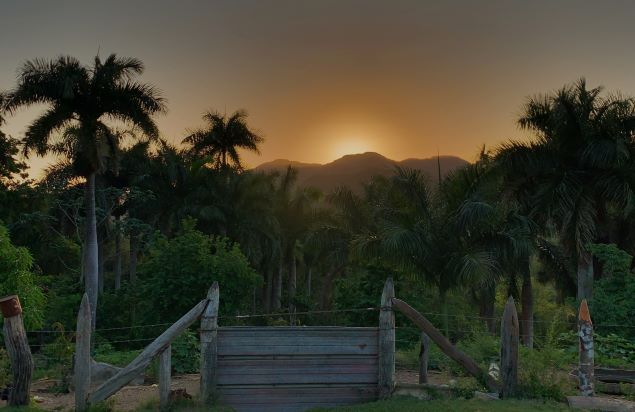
[(232, 332), (284, 341), (17, 346), (386, 379), (81, 370), (600, 404), (509, 350), (256, 362), (142, 361), (255, 350), (308, 377), (209, 346), (615, 375), (586, 350), (424, 356), (446, 347), (165, 377)]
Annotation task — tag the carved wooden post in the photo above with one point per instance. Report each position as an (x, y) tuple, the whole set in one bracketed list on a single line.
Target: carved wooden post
[(165, 377), (585, 333), (424, 355), (81, 372), (18, 350), (509, 350), (386, 342), (209, 351)]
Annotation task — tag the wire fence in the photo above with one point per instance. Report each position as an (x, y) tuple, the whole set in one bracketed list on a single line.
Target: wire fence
[(51, 345)]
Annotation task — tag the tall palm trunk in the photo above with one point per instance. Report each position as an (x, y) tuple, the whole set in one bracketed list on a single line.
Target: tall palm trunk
[(309, 275), (527, 314), (118, 260), (486, 307), (134, 252), (268, 288), (293, 283), (91, 262), (102, 263), (277, 287), (585, 275)]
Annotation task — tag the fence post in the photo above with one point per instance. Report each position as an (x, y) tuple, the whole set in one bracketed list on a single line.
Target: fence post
[(585, 333), (209, 350), (386, 342), (18, 350), (165, 377), (424, 355), (509, 350), (81, 372)]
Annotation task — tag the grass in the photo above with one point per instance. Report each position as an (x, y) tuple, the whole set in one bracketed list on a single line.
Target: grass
[(471, 405)]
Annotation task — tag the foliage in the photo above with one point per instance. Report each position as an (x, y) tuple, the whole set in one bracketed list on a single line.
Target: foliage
[(186, 353), (543, 374), (179, 271), (17, 278), (613, 307)]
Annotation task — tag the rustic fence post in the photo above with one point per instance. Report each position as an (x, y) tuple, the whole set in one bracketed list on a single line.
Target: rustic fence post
[(81, 371), (209, 350), (386, 342), (424, 355), (18, 350), (509, 350), (165, 377), (585, 333)]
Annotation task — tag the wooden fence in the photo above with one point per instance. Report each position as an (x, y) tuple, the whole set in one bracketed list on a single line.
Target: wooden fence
[(296, 368)]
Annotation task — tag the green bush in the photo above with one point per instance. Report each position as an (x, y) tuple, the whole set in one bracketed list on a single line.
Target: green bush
[(178, 272), (186, 353), (16, 278), (543, 374)]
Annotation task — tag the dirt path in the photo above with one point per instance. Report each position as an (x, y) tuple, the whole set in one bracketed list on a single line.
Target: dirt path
[(131, 397)]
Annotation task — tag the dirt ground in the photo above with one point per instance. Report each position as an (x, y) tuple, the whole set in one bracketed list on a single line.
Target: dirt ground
[(131, 397)]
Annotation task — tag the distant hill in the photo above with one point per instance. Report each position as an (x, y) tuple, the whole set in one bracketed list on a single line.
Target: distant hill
[(356, 169)]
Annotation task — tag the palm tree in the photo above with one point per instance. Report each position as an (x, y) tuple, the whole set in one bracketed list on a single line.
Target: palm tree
[(80, 101), (572, 174), (221, 139)]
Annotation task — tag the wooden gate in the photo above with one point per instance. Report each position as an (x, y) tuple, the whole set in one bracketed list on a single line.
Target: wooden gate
[(296, 368)]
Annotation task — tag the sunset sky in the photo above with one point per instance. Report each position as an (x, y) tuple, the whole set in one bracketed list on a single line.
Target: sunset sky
[(324, 78)]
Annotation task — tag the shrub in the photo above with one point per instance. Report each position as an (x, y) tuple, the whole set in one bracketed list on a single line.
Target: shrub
[(186, 353), (16, 278)]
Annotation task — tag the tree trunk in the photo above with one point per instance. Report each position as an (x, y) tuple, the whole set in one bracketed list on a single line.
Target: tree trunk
[(101, 265), (134, 252), (486, 307), (585, 275), (18, 350), (277, 288), (293, 282), (527, 313), (92, 250), (327, 290), (118, 260), (268, 290), (446, 319), (309, 279)]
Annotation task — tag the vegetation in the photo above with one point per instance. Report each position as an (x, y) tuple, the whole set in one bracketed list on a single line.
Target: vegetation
[(145, 227)]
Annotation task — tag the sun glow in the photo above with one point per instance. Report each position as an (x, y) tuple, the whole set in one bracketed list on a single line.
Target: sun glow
[(343, 147)]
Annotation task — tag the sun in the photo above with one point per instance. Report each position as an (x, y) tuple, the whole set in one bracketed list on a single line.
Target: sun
[(343, 147)]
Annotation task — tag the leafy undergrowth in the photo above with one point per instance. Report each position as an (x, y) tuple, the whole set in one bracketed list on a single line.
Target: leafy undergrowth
[(471, 405)]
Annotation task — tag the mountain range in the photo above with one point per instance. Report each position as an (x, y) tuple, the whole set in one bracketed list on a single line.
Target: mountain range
[(356, 169)]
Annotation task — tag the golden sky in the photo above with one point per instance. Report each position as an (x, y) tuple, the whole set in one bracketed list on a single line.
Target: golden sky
[(324, 78)]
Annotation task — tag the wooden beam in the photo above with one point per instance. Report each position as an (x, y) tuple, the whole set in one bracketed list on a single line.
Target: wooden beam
[(600, 404), (424, 355), (509, 350), (585, 333), (209, 346), (17, 345), (138, 365), (386, 383), (446, 347), (165, 377), (81, 372)]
